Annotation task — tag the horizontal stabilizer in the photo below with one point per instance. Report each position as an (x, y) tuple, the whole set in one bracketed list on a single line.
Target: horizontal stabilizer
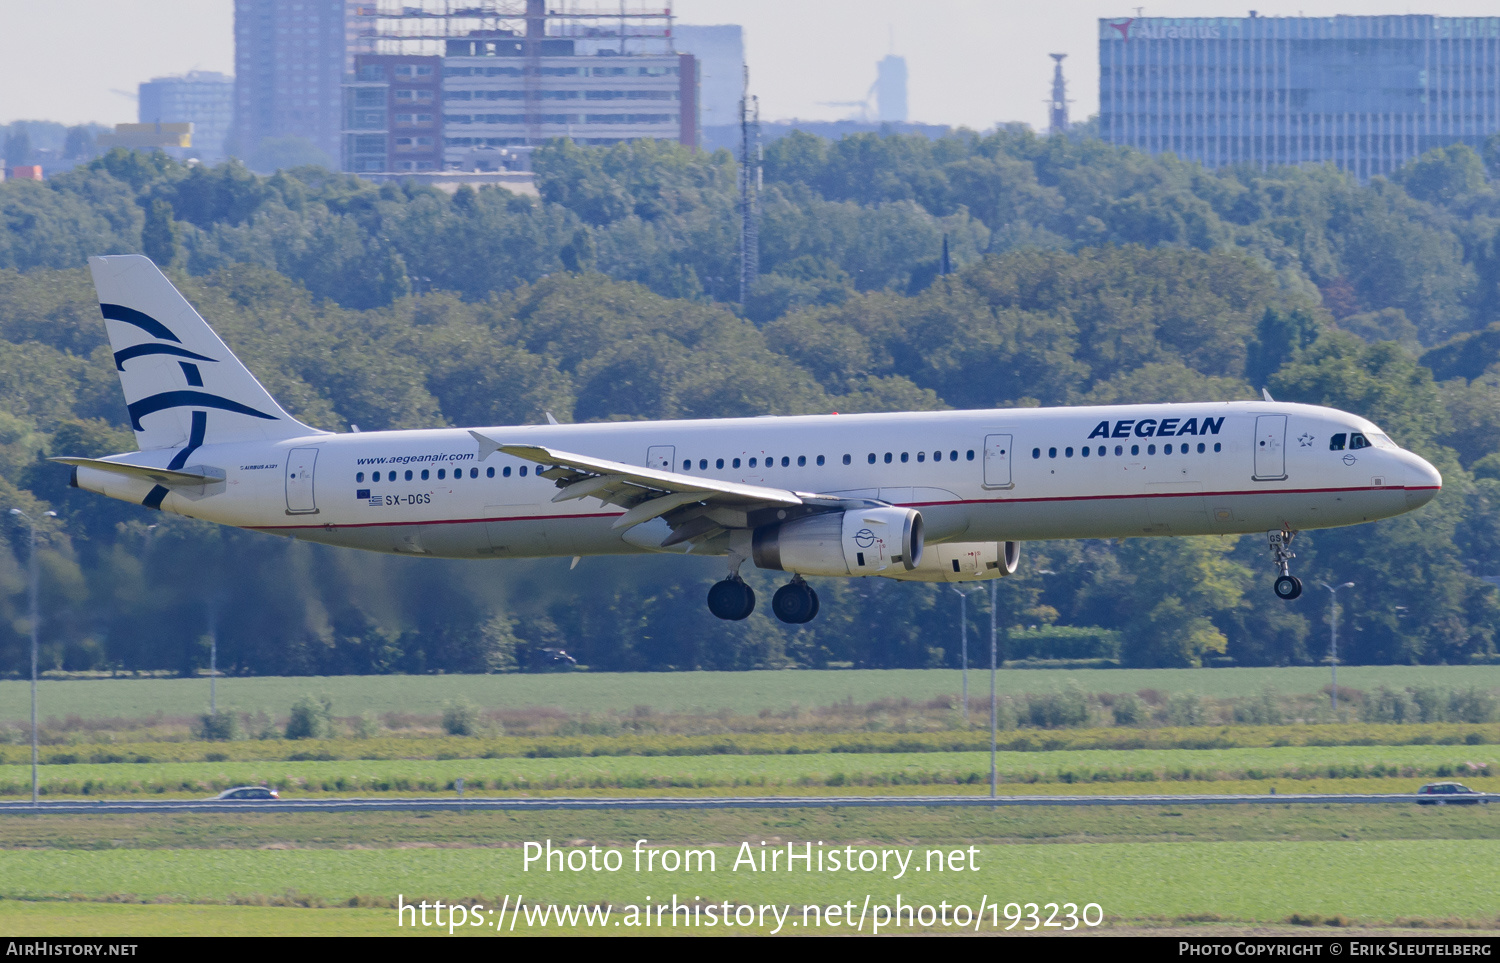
[(159, 476)]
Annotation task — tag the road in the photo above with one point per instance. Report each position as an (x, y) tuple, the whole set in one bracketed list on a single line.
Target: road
[(457, 804)]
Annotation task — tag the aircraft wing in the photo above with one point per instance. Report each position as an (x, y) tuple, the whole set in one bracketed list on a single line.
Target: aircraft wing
[(697, 508)]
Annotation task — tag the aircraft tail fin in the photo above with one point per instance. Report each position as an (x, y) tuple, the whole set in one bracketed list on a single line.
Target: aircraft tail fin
[(183, 387)]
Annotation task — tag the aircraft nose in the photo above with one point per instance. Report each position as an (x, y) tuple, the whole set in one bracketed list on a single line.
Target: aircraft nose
[(1423, 482)]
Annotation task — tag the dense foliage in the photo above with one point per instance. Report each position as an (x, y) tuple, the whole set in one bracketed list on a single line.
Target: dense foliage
[(1084, 273)]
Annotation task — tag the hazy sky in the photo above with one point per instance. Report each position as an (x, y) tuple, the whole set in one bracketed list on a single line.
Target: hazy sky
[(970, 62)]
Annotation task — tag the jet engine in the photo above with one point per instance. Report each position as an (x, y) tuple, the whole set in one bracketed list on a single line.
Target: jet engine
[(964, 562), (869, 541)]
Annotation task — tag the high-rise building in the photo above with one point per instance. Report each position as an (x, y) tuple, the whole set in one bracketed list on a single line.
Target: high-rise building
[(720, 52), (890, 89), (1365, 93), (202, 98), (290, 58)]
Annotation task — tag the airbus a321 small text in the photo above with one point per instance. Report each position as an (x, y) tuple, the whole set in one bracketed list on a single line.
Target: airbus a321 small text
[(944, 496)]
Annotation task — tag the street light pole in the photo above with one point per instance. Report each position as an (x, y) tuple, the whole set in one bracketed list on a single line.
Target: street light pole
[(1333, 642), (35, 627), (994, 736), (963, 622)]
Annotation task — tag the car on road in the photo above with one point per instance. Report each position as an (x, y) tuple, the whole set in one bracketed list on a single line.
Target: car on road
[(249, 792), (1450, 794)]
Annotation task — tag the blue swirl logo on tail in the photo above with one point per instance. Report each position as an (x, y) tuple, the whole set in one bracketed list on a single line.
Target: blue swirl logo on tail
[(178, 399)]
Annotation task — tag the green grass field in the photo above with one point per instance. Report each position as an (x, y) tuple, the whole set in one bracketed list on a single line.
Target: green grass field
[(1377, 881), (1248, 867), (707, 692), (1152, 867), (1167, 769)]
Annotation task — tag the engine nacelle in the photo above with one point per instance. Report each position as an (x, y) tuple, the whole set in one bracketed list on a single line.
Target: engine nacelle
[(869, 541), (964, 562)]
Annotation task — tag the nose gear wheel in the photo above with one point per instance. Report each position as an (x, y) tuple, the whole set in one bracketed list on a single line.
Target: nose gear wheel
[(1288, 586)]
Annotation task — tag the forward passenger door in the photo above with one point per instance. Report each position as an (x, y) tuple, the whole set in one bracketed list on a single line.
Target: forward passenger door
[(1270, 447)]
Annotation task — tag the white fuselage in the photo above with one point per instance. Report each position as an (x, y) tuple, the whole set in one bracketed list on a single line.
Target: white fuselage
[(1001, 475)]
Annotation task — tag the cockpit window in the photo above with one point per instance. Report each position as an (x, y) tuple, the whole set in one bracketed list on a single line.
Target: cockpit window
[(1357, 440), (1380, 441), (1336, 443)]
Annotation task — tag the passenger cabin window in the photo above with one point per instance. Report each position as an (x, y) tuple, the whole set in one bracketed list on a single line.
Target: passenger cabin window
[(523, 472), (505, 471), (488, 473), (735, 463), (359, 477), (408, 474), (719, 463), (820, 460), (1336, 443), (847, 459), (424, 474), (442, 473)]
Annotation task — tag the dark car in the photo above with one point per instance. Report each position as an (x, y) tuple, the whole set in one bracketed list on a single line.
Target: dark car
[(248, 792), (1450, 794)]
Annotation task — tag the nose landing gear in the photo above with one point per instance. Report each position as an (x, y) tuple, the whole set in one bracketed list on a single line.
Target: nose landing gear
[(1288, 586), (795, 602)]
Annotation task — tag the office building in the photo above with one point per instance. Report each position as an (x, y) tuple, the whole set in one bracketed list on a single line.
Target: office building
[(496, 97), (202, 98), (175, 140), (1365, 93), (394, 114)]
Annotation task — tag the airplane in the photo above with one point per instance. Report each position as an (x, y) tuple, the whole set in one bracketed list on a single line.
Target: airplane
[(938, 496)]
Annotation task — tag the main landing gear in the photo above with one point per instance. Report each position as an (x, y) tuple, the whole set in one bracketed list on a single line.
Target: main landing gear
[(733, 600), (795, 602), (1288, 586)]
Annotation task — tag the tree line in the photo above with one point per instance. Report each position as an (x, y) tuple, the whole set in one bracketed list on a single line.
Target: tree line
[(1084, 274)]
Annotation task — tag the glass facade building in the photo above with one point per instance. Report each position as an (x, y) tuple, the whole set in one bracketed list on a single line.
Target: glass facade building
[(201, 98), (1365, 93)]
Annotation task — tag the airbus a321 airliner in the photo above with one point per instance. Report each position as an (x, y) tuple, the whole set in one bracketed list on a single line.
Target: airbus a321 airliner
[(926, 496)]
